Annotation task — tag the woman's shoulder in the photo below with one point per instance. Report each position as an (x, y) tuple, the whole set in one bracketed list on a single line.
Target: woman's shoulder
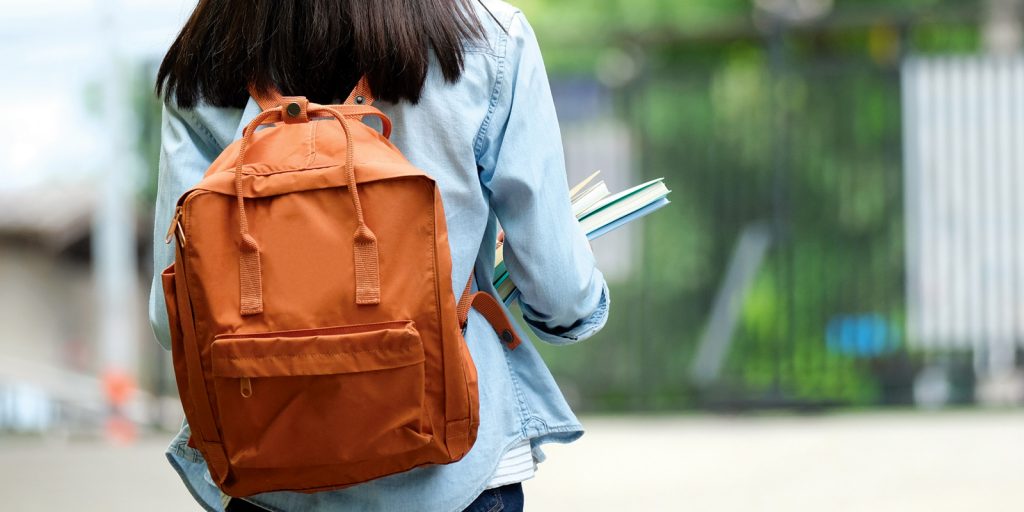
[(495, 15), (501, 22), (215, 127)]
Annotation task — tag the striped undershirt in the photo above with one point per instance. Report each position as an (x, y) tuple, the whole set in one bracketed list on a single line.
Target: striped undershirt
[(516, 465)]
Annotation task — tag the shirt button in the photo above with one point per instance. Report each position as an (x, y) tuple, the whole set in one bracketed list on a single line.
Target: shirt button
[(294, 109)]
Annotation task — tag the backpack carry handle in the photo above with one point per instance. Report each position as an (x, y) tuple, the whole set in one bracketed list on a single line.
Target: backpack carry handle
[(367, 267), (359, 111)]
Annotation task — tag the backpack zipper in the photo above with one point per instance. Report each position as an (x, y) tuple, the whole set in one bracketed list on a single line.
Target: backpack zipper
[(245, 383), (175, 227)]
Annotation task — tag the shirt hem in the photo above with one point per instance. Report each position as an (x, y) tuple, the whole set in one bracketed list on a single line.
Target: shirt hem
[(172, 457), (561, 434)]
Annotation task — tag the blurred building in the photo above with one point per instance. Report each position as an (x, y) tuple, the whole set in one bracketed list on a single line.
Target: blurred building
[(72, 232)]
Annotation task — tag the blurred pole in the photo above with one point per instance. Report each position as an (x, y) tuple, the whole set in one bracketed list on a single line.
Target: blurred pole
[(779, 112), (747, 259), (114, 259), (1003, 34)]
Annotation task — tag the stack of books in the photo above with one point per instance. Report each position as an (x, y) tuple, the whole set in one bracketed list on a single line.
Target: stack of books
[(599, 212)]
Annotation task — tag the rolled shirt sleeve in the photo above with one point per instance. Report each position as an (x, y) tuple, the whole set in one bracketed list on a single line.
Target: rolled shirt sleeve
[(581, 330), (562, 294)]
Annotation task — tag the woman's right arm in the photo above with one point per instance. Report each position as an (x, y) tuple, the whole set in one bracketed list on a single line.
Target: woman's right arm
[(563, 295)]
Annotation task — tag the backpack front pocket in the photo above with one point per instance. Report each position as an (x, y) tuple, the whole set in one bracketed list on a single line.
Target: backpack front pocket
[(320, 396)]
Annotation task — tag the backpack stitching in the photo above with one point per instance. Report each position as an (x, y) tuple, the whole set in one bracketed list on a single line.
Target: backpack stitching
[(311, 356), (312, 145)]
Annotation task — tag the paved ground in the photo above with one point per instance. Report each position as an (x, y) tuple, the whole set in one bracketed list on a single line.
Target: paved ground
[(879, 462), (876, 463)]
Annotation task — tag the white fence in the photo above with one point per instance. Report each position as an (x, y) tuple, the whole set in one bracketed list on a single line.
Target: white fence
[(964, 183)]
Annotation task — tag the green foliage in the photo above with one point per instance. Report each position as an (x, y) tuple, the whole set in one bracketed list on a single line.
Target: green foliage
[(576, 34), (806, 139)]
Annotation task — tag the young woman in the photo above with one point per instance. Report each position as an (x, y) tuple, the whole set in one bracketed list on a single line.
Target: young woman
[(465, 86)]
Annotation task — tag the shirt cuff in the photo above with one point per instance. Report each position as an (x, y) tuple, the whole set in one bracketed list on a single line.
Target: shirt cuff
[(581, 330)]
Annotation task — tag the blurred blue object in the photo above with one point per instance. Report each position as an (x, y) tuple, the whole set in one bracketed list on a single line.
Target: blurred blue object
[(867, 335), (25, 408)]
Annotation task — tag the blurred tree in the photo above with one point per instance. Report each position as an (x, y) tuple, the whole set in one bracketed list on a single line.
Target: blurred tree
[(800, 129), (574, 33)]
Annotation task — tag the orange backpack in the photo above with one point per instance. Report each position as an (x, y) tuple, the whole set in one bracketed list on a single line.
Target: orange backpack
[(317, 343)]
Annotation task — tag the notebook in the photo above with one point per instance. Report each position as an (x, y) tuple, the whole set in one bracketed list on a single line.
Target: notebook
[(599, 213)]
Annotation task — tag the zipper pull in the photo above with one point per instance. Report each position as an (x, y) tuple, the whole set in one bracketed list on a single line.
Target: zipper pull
[(246, 387), (175, 225)]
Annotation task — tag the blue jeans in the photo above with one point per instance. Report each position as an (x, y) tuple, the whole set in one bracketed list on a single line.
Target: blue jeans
[(507, 498)]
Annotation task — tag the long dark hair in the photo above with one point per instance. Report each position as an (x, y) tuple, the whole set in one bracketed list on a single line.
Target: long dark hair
[(314, 48)]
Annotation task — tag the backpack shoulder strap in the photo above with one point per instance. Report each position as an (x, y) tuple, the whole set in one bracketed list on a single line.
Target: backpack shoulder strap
[(491, 309), (361, 96)]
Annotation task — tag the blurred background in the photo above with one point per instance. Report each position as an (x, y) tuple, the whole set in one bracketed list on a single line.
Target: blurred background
[(827, 317)]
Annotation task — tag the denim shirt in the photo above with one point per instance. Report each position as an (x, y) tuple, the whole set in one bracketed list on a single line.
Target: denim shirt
[(492, 143)]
